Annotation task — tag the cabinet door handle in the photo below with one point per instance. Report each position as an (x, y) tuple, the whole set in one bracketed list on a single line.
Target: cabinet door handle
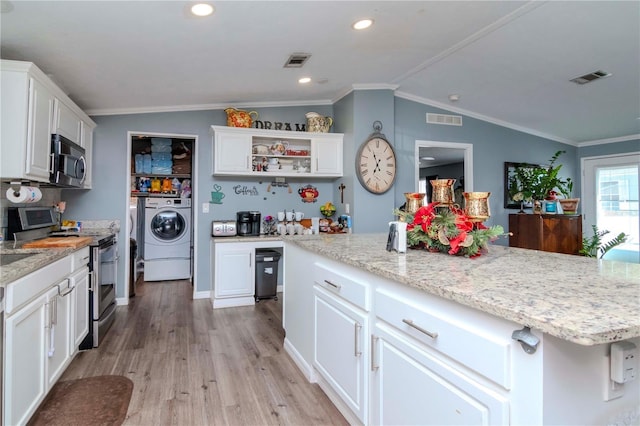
[(374, 341), (248, 165), (356, 340), (51, 160), (336, 286), (410, 323)]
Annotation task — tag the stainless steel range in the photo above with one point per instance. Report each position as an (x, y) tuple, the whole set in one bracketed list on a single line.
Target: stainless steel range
[(103, 267)]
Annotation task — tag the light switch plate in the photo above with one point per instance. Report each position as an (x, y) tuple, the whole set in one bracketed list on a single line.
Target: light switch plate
[(205, 207)]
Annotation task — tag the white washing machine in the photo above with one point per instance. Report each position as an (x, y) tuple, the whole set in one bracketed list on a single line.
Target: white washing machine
[(167, 239)]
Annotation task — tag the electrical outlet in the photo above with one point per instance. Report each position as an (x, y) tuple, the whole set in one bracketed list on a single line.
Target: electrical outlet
[(624, 362), (205, 207), (612, 390)]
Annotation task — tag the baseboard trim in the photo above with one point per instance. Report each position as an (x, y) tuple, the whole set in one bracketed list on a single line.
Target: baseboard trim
[(338, 402), (298, 360), (202, 295), (233, 301)]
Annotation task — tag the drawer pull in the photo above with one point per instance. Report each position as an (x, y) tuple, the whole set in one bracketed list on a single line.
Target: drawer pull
[(374, 340), (336, 286), (410, 323), (356, 351)]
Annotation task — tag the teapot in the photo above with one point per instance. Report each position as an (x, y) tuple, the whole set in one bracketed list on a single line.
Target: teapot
[(318, 123), (239, 118), (308, 193)]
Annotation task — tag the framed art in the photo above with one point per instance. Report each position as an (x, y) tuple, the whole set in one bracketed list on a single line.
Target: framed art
[(512, 186)]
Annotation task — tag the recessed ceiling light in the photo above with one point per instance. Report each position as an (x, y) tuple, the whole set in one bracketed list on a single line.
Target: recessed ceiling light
[(304, 80), (202, 9), (362, 24)]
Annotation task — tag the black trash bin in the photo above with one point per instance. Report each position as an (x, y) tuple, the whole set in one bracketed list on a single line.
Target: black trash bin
[(133, 254), (266, 274)]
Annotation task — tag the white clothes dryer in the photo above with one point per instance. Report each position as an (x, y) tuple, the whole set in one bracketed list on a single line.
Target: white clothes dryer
[(167, 239)]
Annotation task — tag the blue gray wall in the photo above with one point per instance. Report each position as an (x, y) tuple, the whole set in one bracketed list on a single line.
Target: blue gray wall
[(404, 123)]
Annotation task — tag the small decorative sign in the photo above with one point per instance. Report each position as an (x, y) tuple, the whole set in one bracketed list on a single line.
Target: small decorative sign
[(217, 195), (309, 194), (277, 125), (245, 190)]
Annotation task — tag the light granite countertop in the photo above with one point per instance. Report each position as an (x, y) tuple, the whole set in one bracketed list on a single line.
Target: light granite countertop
[(45, 256), (579, 299)]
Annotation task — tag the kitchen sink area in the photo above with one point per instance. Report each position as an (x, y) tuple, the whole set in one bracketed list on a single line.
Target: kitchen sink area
[(6, 259)]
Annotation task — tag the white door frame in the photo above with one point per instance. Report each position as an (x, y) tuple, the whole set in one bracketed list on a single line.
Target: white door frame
[(588, 191), (468, 160), (194, 205)]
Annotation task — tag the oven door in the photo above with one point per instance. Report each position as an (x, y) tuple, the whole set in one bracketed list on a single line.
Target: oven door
[(105, 265)]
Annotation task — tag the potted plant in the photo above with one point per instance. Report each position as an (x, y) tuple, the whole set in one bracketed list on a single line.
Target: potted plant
[(569, 205), (595, 247), (537, 182)]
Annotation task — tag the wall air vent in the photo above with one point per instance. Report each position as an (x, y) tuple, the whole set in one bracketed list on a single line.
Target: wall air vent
[(592, 76), (297, 60), (447, 120)]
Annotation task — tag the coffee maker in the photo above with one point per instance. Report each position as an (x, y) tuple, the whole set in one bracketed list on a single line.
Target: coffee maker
[(248, 223)]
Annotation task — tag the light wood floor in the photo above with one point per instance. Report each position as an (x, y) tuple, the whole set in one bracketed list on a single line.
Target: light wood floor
[(191, 365)]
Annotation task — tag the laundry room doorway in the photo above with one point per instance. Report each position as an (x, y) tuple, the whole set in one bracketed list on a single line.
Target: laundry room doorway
[(160, 190)]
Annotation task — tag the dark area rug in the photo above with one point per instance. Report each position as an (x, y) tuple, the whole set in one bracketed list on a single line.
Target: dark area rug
[(101, 400)]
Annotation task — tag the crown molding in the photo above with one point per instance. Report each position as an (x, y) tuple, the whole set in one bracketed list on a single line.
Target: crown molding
[(610, 140), (202, 107)]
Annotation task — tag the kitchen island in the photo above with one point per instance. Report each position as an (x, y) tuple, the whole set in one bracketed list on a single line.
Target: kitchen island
[(445, 324)]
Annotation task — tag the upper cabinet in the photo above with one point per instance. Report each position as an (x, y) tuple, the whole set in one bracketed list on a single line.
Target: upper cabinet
[(34, 108), (259, 152)]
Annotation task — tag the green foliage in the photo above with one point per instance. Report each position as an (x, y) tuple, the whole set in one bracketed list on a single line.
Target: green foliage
[(532, 182), (592, 246)]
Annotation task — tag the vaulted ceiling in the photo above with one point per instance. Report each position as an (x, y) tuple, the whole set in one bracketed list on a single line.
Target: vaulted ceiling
[(509, 62)]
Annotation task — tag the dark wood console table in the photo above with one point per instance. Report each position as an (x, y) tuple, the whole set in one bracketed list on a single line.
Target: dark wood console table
[(546, 232)]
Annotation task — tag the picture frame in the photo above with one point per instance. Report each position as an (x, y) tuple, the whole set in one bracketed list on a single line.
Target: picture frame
[(509, 177)]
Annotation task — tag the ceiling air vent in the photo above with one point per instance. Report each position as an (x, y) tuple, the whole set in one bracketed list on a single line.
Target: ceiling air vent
[(592, 76), (297, 60), (447, 120)]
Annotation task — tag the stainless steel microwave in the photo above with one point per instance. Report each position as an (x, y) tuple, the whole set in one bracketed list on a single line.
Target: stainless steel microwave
[(69, 164)]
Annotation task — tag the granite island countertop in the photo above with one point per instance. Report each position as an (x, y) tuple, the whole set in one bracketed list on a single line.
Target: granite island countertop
[(579, 299)]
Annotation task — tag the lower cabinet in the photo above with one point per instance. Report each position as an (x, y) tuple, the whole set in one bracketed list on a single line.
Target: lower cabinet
[(58, 331), (79, 282), (47, 316), (412, 386), (340, 344), (25, 360), (234, 272)]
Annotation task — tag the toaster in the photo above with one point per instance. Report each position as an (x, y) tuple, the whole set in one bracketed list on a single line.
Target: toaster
[(223, 228)]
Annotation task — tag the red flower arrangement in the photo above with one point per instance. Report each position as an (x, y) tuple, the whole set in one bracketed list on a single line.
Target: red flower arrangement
[(448, 230)]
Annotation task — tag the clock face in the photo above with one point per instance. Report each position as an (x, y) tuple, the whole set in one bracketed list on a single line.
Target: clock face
[(376, 165)]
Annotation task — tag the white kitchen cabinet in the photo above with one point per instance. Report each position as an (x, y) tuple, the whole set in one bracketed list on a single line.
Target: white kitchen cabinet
[(58, 331), (24, 361), (232, 153), (414, 386), (86, 141), (326, 156), (248, 152), (66, 122), (341, 349), (234, 271), (25, 142), (46, 317), (79, 283)]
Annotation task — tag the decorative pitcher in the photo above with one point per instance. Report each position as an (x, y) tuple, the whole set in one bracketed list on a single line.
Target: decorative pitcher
[(239, 118), (443, 191), (318, 123)]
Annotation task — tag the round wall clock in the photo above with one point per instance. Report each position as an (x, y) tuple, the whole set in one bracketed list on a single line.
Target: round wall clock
[(376, 162)]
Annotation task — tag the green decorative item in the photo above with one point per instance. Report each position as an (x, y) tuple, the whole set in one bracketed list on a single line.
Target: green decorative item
[(595, 247), (532, 183)]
